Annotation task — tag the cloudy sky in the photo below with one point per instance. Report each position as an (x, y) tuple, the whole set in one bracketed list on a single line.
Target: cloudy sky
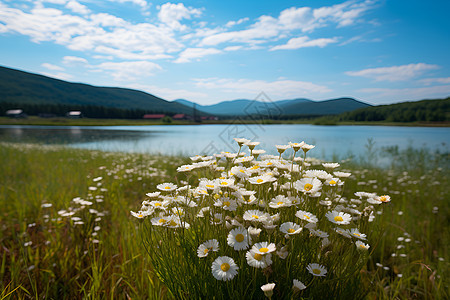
[(378, 51)]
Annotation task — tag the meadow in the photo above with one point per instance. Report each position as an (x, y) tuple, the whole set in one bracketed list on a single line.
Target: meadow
[(67, 231)]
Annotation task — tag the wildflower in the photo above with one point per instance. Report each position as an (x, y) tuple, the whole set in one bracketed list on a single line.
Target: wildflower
[(240, 172), (241, 141), (255, 215), (355, 232), (268, 289), (258, 260), (384, 198), (159, 204), (264, 248), (330, 166), (204, 249), (196, 157), (238, 238), (308, 185), (252, 145), (342, 174), (280, 201), (339, 218), (296, 146), (361, 246), (307, 147), (319, 233), (243, 159), (166, 187), (226, 204), (282, 252), (261, 179), (333, 182), (307, 216), (343, 232), (254, 232), (316, 269), (185, 168), (153, 195), (159, 221), (224, 268), (258, 152), (290, 228), (298, 285), (282, 148)]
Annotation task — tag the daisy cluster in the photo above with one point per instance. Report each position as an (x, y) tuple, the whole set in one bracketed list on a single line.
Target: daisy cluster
[(250, 210)]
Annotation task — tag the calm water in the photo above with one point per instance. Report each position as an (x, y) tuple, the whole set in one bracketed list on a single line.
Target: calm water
[(207, 139)]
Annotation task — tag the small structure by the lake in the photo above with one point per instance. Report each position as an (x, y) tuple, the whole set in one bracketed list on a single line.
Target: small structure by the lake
[(16, 113), (74, 114), (153, 116)]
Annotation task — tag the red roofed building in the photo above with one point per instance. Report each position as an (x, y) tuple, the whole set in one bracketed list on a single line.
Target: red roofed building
[(153, 116), (181, 117)]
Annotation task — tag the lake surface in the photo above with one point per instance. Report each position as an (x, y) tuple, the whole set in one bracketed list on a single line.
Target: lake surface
[(340, 141)]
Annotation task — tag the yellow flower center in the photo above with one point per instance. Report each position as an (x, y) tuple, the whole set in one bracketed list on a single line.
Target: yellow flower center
[(239, 237), (338, 219), (158, 204), (259, 180), (216, 196), (383, 198), (206, 251), (263, 250), (222, 177), (316, 271), (291, 230), (226, 203), (242, 171), (224, 267), (167, 187), (224, 183), (231, 174), (255, 217), (255, 167), (258, 256), (332, 182), (162, 221), (140, 216), (362, 246), (210, 185), (306, 217), (280, 203), (269, 163), (308, 187), (357, 234)]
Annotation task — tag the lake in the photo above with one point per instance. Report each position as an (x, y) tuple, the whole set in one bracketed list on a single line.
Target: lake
[(337, 141)]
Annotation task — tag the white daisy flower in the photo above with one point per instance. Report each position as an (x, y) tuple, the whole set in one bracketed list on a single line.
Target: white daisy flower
[(290, 228), (307, 216), (196, 158), (282, 148), (296, 146), (268, 289), (319, 233), (166, 187), (240, 172), (264, 248), (156, 204), (153, 195), (258, 152), (204, 249), (333, 182), (343, 232), (224, 268), (298, 285), (384, 198), (316, 269), (139, 214), (355, 232), (238, 239), (243, 159), (226, 204), (342, 174), (339, 218), (225, 182), (255, 215), (330, 166), (241, 141), (280, 201), (254, 232), (361, 246), (308, 185), (307, 147), (257, 260), (261, 179), (321, 174), (160, 221), (252, 145), (185, 168)]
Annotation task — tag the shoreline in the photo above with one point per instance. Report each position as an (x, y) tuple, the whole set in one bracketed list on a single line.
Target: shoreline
[(129, 122)]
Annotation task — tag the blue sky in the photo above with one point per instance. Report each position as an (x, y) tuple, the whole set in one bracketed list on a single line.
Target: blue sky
[(377, 51)]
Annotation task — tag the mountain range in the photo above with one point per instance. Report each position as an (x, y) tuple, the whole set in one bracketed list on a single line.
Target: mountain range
[(19, 87)]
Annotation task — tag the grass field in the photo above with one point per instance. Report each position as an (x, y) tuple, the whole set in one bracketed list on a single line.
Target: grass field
[(67, 232)]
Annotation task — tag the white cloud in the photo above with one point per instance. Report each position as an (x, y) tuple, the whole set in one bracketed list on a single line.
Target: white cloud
[(52, 67), (240, 21), (192, 53), (128, 70), (169, 93), (74, 60), (77, 7), (232, 48), (304, 41), (386, 95), (280, 89), (98, 32), (291, 19), (171, 14), (58, 75), (394, 73), (142, 3), (428, 81)]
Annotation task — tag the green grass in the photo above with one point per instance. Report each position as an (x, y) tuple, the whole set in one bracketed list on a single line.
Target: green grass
[(65, 261)]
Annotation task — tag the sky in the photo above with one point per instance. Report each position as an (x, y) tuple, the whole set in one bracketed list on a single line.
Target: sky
[(376, 51)]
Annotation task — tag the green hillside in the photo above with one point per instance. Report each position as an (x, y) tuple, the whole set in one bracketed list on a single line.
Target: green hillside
[(26, 88)]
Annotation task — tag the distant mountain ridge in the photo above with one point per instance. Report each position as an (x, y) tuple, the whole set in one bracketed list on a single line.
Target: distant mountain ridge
[(299, 106), (19, 87)]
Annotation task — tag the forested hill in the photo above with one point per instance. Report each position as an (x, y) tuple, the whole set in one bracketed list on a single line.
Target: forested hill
[(32, 89), (437, 110)]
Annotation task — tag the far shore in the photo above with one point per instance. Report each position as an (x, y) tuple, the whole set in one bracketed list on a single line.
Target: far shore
[(61, 121)]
